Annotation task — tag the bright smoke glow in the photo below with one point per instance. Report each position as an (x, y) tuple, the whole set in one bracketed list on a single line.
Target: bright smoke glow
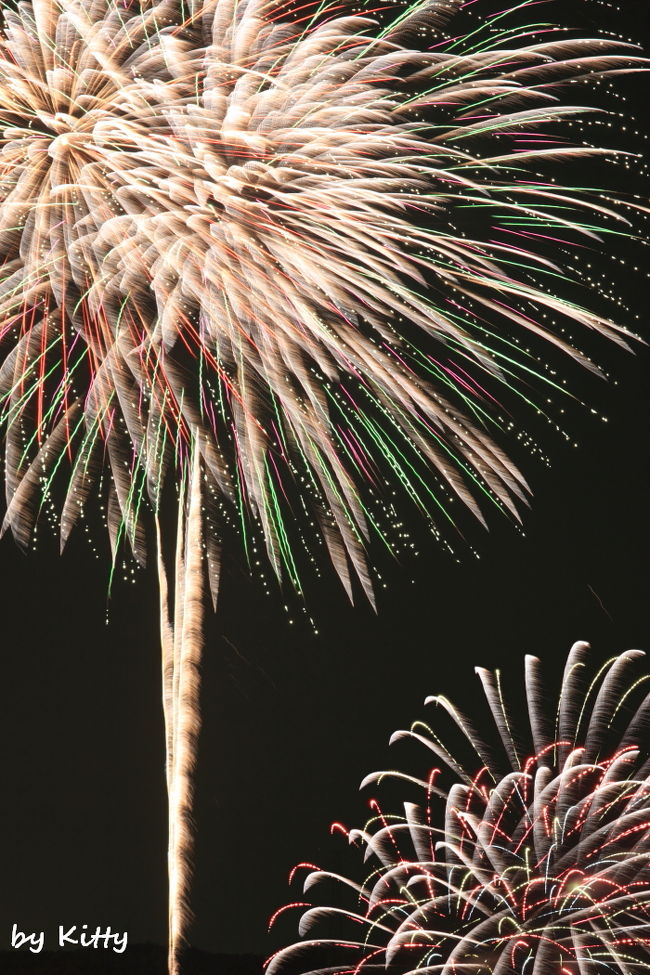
[(509, 863), (227, 223)]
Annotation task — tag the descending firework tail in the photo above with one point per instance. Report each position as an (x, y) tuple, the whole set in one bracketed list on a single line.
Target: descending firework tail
[(181, 627), (533, 857), (220, 224)]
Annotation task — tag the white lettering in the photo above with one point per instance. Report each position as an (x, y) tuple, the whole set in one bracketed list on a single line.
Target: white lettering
[(33, 940)]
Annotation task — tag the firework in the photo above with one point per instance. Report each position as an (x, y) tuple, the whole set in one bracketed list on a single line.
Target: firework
[(214, 223), (222, 227), (532, 857)]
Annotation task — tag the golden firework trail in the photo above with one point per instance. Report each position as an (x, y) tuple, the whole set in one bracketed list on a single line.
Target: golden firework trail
[(181, 628), (236, 258)]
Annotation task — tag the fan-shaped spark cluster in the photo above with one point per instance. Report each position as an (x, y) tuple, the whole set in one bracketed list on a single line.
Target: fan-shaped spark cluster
[(223, 223), (520, 864)]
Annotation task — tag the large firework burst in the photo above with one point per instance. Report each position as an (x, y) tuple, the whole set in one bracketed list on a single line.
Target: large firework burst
[(222, 224), (533, 857), (214, 221)]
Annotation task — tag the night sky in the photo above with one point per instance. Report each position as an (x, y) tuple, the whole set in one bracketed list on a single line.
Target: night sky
[(293, 720)]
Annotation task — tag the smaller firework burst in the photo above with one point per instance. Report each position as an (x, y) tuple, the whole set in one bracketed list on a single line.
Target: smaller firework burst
[(534, 858)]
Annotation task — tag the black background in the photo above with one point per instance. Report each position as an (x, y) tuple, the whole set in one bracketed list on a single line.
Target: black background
[(293, 720)]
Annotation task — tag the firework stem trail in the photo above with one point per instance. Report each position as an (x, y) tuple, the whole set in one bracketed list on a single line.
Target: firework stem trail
[(181, 633)]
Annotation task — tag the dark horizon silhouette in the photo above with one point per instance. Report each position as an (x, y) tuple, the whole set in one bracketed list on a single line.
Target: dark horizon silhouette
[(141, 960)]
